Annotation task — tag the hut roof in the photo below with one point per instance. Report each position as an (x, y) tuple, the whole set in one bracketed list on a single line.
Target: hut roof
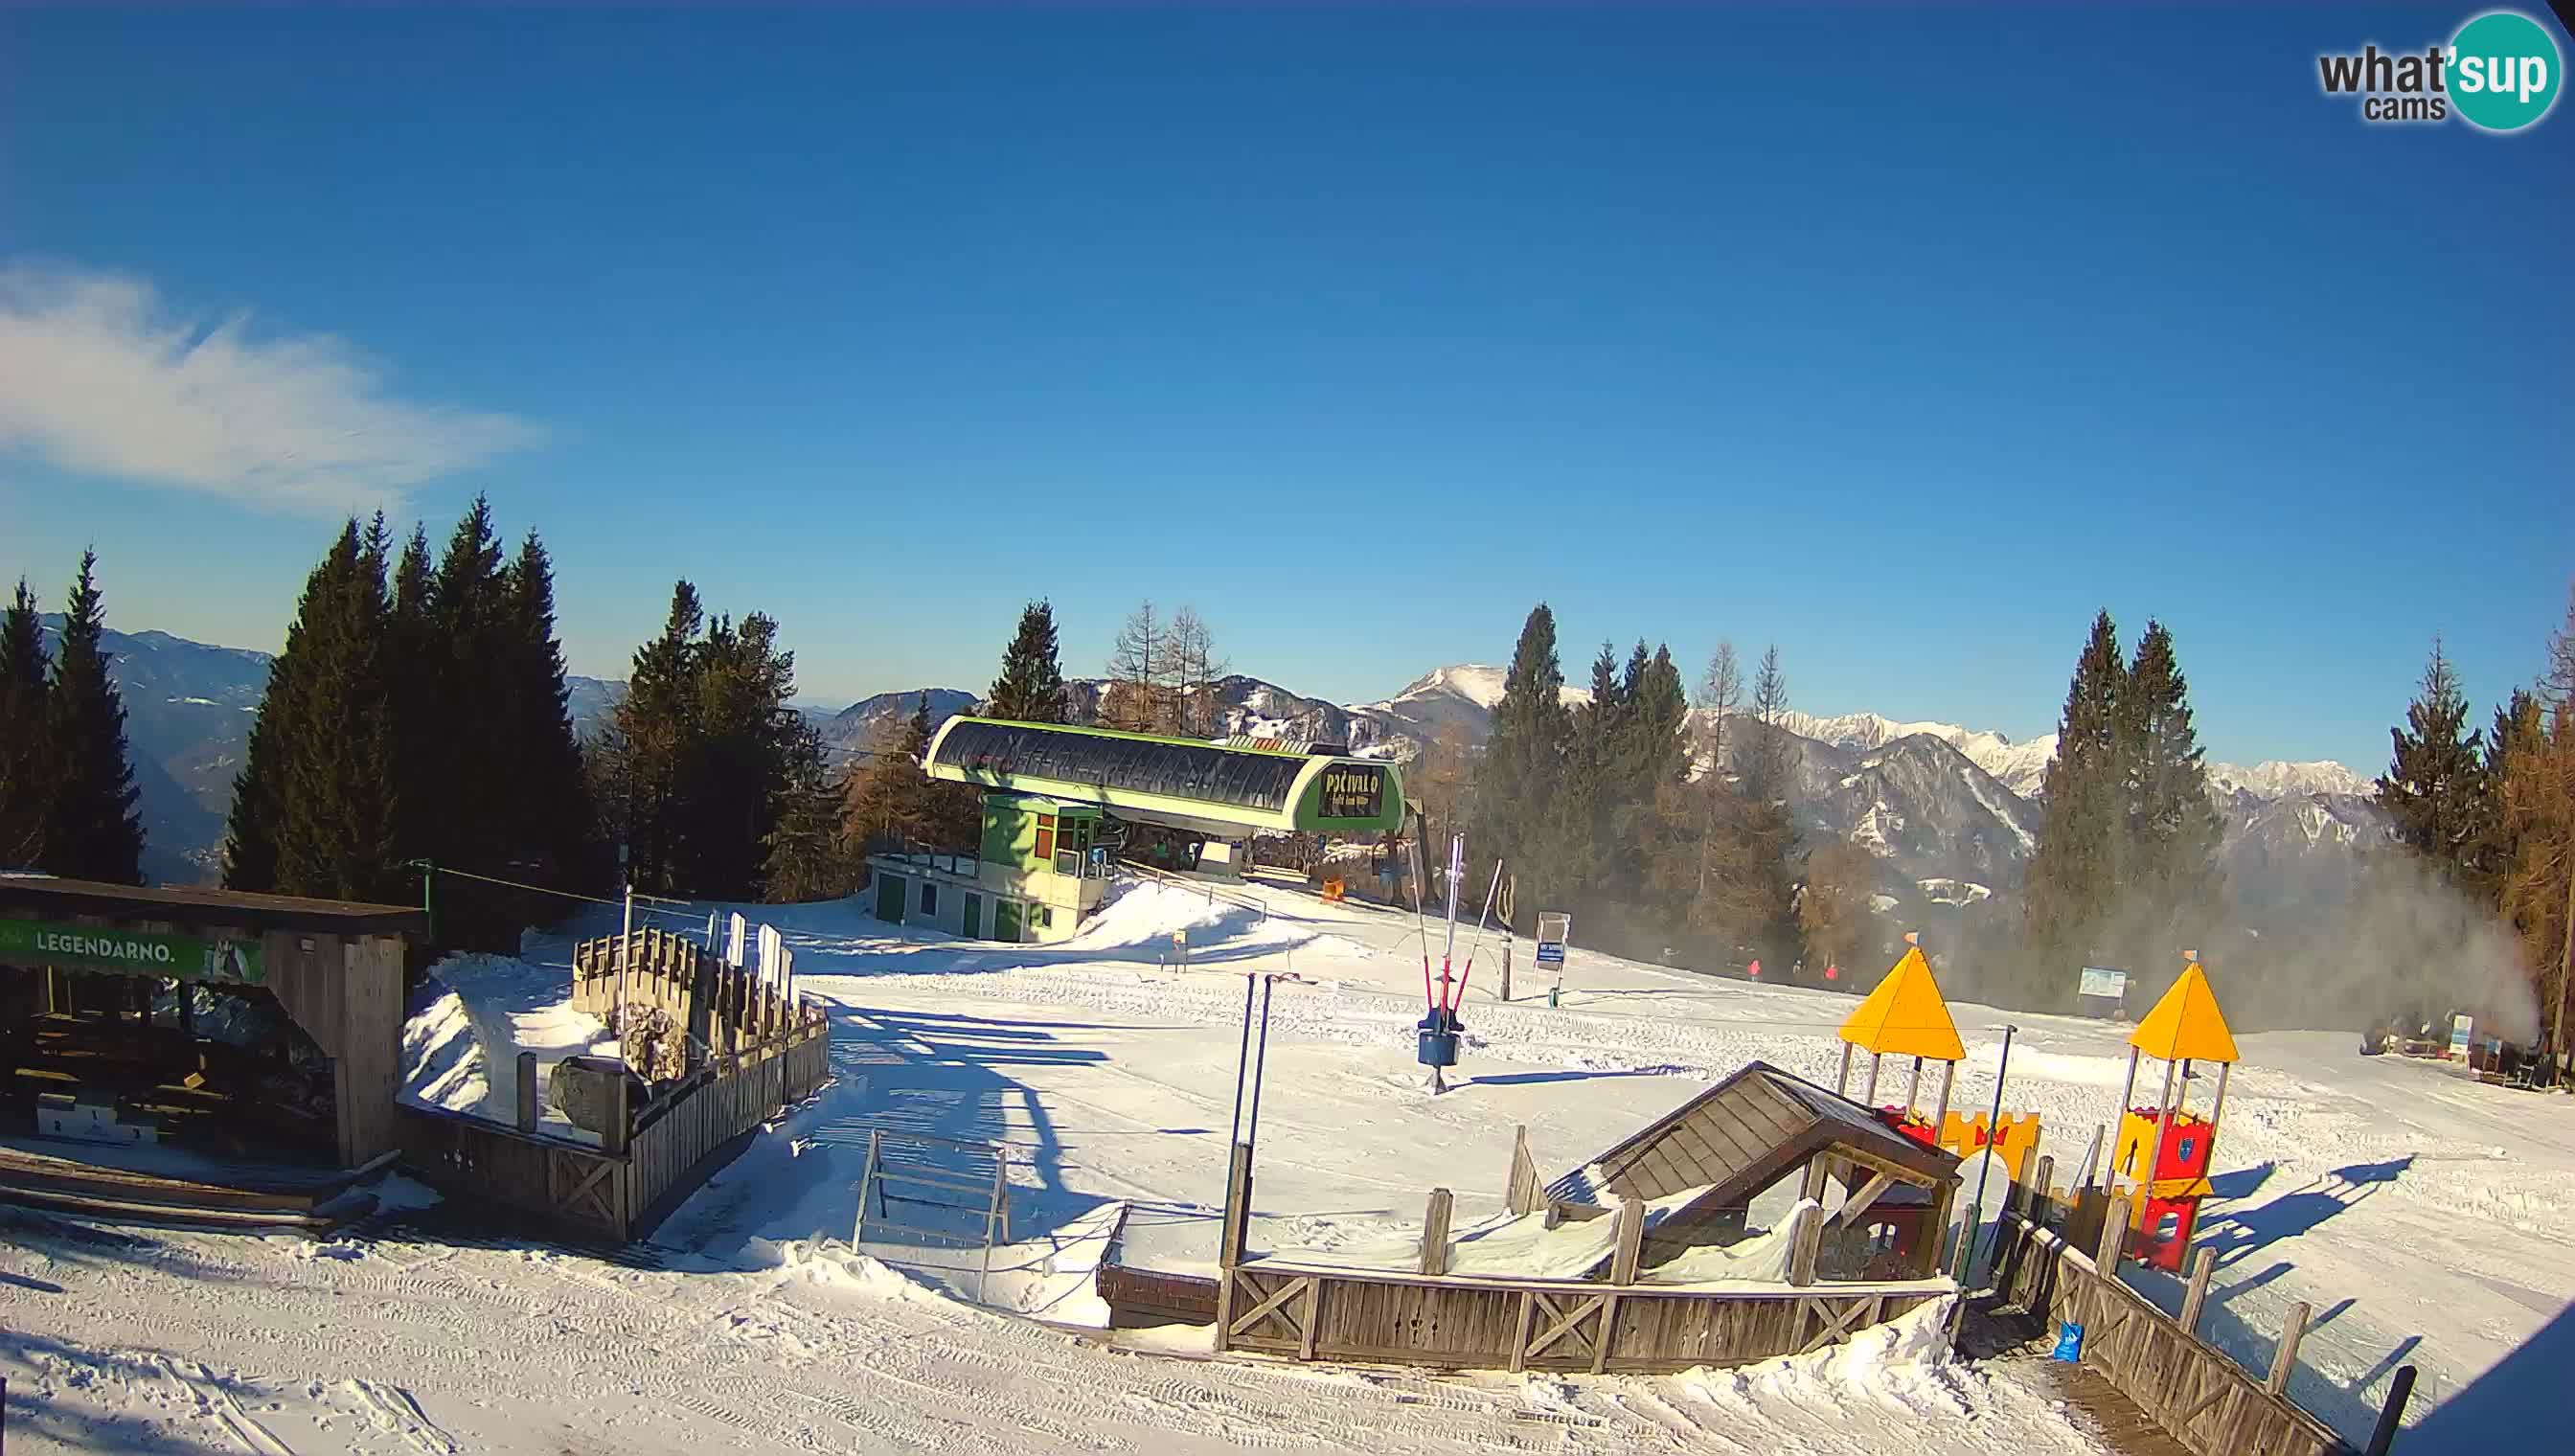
[(1742, 1135), (188, 904)]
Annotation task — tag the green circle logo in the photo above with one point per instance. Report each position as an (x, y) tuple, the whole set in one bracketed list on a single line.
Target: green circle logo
[(2505, 72)]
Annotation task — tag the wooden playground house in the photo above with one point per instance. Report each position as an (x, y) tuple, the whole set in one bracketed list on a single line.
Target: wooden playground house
[(2164, 1152), (180, 1048), (1648, 1262)]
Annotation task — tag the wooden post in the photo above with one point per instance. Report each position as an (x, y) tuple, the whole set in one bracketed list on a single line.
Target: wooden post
[(1948, 1080), (2041, 1193), (1913, 1095), (1807, 1238), (1631, 1247), (1507, 967), (1434, 1232), (2285, 1358), (612, 1138), (1870, 1098), (2196, 1298), (1525, 1189), (2399, 1391), (2114, 1237), (1841, 1080), (527, 1091), (1238, 1208)]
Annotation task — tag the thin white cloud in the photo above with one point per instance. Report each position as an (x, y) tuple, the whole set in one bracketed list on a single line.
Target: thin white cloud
[(100, 377)]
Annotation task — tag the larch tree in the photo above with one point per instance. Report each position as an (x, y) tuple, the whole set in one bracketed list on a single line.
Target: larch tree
[(26, 781), (93, 832), (1031, 686), (1139, 672)]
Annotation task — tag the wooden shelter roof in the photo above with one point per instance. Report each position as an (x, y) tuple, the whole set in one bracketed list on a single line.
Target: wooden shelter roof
[(1740, 1136), (47, 897)]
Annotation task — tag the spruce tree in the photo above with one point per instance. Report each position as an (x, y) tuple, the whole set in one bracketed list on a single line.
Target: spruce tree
[(807, 854), (550, 804), (1524, 760), (26, 783), (421, 671), (649, 741), (480, 707), (2074, 871), (1030, 686), (2173, 826), (2434, 790), (336, 828), (93, 833)]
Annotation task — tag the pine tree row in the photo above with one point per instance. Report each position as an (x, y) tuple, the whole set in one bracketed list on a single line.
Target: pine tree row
[(419, 712), (67, 794), (2126, 874)]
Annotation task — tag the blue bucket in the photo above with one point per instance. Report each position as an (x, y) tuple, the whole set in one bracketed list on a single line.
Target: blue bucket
[(2070, 1342)]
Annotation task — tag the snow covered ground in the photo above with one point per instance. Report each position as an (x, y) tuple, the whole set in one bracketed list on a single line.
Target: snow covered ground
[(2427, 1220)]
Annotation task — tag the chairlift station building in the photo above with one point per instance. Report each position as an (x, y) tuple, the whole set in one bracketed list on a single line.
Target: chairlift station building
[(1055, 796)]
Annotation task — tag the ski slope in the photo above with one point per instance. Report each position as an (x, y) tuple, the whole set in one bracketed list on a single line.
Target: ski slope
[(2427, 1220)]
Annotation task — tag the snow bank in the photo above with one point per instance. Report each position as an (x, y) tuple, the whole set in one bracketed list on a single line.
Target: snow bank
[(830, 1264), (473, 1018), (1901, 1366)]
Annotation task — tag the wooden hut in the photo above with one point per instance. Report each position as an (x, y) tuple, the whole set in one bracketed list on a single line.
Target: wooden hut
[(254, 1039)]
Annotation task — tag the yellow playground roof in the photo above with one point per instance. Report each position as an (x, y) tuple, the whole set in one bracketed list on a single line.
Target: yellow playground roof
[(2186, 1025), (1906, 1016)]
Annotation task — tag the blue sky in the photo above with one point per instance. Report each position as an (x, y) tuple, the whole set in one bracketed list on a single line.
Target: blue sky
[(1903, 341)]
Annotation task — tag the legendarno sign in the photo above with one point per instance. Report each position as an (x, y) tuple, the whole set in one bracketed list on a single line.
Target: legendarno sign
[(129, 953)]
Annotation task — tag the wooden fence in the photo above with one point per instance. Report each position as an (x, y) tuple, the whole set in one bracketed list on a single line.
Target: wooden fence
[(2159, 1361), (619, 1189), (1455, 1322), (723, 1008)]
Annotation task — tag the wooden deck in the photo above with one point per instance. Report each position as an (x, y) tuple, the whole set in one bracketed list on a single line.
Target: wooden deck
[(132, 1185), (2096, 1408)]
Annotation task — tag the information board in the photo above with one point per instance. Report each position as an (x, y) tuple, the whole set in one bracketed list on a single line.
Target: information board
[(2109, 986), (1555, 928)]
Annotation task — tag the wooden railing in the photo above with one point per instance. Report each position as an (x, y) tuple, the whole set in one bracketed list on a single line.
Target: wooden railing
[(767, 1055), (2187, 1385), (723, 1008)]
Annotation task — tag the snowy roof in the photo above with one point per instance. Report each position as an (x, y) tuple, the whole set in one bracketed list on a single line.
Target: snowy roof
[(1742, 1135)]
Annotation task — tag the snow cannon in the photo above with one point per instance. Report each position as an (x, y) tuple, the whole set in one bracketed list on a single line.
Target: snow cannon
[(2165, 1151), (1436, 1034), (1904, 1017)]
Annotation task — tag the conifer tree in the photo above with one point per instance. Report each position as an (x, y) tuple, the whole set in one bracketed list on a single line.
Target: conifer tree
[(336, 794), (1030, 686), (550, 804), (2173, 829), (2434, 790), (807, 854), (2074, 872), (26, 785), (1523, 760), (93, 832)]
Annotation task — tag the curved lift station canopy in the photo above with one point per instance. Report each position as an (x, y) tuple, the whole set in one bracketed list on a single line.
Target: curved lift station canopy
[(1209, 789)]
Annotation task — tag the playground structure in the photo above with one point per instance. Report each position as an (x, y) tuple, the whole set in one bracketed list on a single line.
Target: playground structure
[(1638, 1260), (1907, 1017), (2164, 1151)]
